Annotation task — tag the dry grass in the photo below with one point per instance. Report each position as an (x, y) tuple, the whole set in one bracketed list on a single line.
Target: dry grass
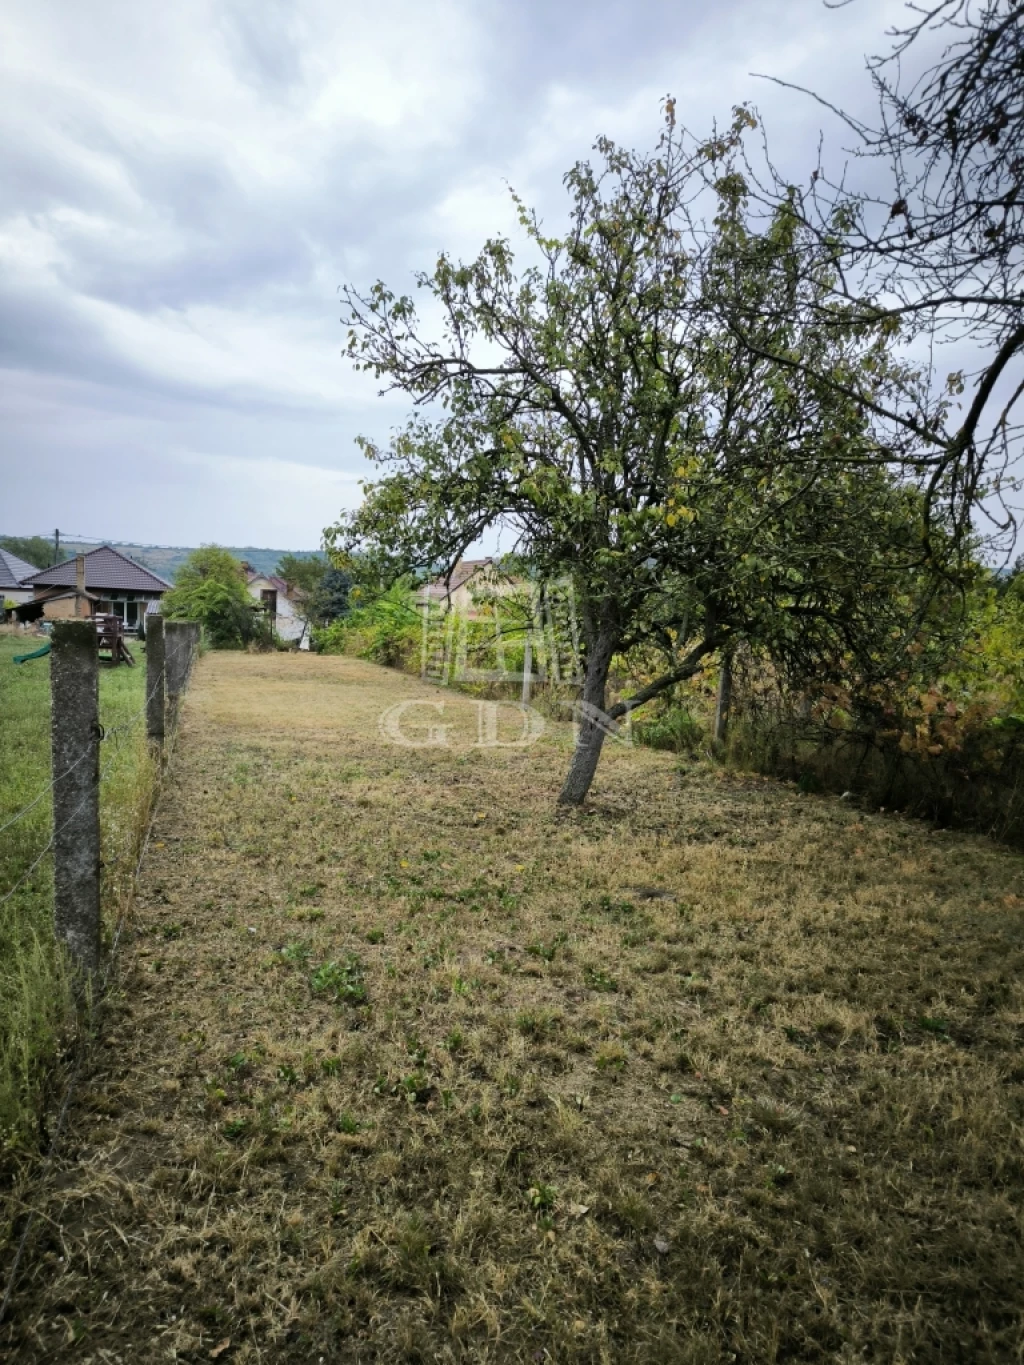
[(709, 1071)]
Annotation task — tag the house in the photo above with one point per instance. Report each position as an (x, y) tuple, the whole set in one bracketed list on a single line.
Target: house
[(469, 579), (13, 573), (282, 607), (104, 580)]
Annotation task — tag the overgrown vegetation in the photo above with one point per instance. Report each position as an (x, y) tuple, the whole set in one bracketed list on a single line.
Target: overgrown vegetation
[(945, 741), (36, 1017), (385, 628)]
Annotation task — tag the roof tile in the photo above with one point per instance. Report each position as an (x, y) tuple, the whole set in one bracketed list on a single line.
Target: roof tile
[(14, 571), (106, 570)]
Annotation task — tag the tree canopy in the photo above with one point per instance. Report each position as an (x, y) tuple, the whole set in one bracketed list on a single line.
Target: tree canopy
[(599, 405), (210, 588), (35, 550), (933, 237)]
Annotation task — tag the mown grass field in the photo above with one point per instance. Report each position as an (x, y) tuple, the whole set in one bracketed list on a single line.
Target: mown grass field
[(35, 1014), (405, 1065)]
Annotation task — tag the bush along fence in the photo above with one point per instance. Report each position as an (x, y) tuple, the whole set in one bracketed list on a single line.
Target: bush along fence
[(103, 788)]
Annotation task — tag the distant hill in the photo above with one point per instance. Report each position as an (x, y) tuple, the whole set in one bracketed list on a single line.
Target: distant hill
[(164, 560)]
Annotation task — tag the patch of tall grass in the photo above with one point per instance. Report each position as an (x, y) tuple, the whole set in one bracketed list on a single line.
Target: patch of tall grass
[(37, 1016)]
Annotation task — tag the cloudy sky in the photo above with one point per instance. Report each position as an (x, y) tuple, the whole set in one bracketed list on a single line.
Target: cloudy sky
[(183, 187)]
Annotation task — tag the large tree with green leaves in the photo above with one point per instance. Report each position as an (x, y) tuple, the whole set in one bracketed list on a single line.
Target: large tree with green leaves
[(597, 404), (210, 588)]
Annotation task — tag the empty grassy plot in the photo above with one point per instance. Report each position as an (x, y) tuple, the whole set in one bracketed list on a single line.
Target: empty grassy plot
[(34, 1001), (410, 1066)]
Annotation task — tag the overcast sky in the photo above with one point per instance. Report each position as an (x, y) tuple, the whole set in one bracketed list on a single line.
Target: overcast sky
[(183, 187)]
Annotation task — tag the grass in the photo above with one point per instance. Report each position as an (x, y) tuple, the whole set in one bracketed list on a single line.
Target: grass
[(35, 1004), (409, 1066)]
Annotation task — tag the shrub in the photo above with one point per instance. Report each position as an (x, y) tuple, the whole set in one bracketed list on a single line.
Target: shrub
[(211, 589)]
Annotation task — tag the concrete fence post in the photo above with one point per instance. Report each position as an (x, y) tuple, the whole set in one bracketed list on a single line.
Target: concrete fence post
[(176, 658), (75, 746), (155, 678)]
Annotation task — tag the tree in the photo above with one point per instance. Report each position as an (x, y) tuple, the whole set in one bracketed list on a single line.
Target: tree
[(940, 248), (331, 599), (600, 406), (36, 550), (302, 573), (210, 588)]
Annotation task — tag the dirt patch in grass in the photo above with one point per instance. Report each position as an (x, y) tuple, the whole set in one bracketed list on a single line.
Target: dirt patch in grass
[(406, 1065)]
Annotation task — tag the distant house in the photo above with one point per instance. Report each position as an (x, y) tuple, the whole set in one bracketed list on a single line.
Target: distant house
[(282, 607), (468, 581), (13, 573), (104, 580)]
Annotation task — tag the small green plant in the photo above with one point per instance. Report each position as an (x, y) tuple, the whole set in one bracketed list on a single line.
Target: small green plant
[(348, 1123), (542, 1197), (235, 1128), (416, 1087), (296, 953), (330, 1066), (341, 981), (375, 936), (455, 1041), (534, 1024), (547, 951), (616, 910), (596, 979), (610, 1057)]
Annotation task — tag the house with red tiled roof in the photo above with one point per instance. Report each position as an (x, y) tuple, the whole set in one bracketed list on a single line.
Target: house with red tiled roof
[(104, 580)]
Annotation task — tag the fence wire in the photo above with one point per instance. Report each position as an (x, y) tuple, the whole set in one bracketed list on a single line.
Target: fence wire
[(104, 980)]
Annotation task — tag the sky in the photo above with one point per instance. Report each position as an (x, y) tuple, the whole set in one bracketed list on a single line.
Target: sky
[(185, 187)]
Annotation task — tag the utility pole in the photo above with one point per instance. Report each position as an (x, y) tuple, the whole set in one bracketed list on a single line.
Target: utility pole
[(56, 547)]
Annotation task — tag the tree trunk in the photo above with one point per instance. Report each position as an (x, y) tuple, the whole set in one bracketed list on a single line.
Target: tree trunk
[(593, 723), (724, 699)]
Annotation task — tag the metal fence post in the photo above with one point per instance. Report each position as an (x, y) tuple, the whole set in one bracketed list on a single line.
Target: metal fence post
[(75, 745), (155, 678)]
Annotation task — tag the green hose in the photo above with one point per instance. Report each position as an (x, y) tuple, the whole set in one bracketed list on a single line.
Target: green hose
[(36, 654)]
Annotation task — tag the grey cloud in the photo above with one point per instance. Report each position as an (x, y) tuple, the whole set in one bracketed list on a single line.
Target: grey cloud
[(156, 218)]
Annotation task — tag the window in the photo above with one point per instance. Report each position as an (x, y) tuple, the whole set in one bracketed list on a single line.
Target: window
[(268, 596)]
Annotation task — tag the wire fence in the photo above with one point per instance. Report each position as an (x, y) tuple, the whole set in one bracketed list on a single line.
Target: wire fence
[(115, 733), (133, 843)]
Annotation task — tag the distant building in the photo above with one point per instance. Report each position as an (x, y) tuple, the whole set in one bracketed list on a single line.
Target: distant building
[(104, 580), (13, 575), (469, 580), (281, 606)]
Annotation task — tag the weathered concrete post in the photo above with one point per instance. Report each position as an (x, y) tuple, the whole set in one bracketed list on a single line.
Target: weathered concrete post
[(75, 746), (155, 678), (175, 658)]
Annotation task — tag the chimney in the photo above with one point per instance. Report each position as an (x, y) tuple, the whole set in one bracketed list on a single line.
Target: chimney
[(80, 572)]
